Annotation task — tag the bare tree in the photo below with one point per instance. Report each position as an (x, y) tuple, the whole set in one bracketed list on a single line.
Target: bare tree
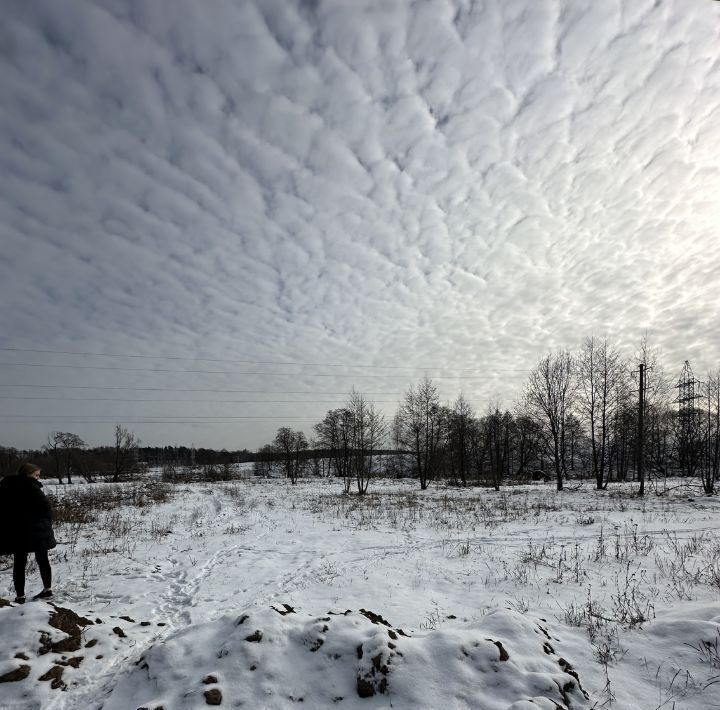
[(549, 395), (657, 385), (600, 370), (496, 430), (420, 419), (317, 461), (368, 432), (459, 424), (125, 453), (265, 460), (623, 435), (527, 439), (334, 434), (399, 464), (351, 435), (290, 446), (65, 449), (575, 437), (712, 469), (659, 440), (478, 448), (53, 449)]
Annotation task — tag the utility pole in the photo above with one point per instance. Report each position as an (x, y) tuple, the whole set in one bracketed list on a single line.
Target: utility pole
[(641, 443), (710, 475)]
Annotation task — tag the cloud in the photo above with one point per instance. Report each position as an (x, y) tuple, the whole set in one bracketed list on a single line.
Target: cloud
[(452, 184)]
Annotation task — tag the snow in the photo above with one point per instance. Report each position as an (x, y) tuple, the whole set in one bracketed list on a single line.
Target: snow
[(269, 658), (282, 596)]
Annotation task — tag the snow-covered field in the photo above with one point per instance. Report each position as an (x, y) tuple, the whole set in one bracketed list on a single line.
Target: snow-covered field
[(259, 594)]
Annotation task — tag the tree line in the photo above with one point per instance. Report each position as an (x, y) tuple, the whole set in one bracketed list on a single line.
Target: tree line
[(580, 415), (65, 455)]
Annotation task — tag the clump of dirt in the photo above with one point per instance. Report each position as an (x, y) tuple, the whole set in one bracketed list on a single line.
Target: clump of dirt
[(210, 679), (374, 679), (118, 631), (256, 637), (213, 696), (365, 689), (55, 676), (544, 631), (4, 602), (504, 655), (70, 623), (18, 674), (375, 618), (567, 668), (287, 609), (316, 643)]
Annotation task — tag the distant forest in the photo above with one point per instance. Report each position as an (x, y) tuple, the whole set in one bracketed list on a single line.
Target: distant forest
[(66, 456)]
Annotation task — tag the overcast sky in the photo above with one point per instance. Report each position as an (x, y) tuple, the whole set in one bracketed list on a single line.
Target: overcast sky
[(450, 188)]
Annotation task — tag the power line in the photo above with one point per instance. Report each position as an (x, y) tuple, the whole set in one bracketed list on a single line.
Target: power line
[(233, 372), (107, 418), (185, 389), (213, 401), (54, 424), (237, 361), (197, 401)]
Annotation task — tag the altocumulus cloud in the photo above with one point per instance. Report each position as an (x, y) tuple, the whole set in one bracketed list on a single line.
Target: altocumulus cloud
[(448, 184)]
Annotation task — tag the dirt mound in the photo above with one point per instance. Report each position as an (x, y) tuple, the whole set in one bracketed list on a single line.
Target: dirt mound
[(47, 648), (278, 656)]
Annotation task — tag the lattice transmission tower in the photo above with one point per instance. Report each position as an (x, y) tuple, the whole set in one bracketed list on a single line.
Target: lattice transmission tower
[(689, 391)]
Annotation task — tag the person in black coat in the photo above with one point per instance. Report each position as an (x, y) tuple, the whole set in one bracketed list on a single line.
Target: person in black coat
[(26, 526)]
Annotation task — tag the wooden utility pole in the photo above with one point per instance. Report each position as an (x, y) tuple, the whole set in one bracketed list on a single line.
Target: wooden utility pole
[(641, 443)]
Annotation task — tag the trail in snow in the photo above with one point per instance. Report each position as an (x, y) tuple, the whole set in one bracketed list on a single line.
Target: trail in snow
[(180, 595)]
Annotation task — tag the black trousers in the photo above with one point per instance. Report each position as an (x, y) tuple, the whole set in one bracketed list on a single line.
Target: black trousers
[(20, 561)]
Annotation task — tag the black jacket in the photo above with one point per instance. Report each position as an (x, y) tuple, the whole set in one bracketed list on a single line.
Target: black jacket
[(25, 516)]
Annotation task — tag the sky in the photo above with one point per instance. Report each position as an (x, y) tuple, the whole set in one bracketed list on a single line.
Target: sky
[(269, 203)]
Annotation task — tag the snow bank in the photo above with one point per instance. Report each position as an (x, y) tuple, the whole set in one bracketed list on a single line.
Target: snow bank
[(280, 657), (47, 648)]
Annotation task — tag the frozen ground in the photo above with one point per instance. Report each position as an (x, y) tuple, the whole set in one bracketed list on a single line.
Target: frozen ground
[(258, 594)]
